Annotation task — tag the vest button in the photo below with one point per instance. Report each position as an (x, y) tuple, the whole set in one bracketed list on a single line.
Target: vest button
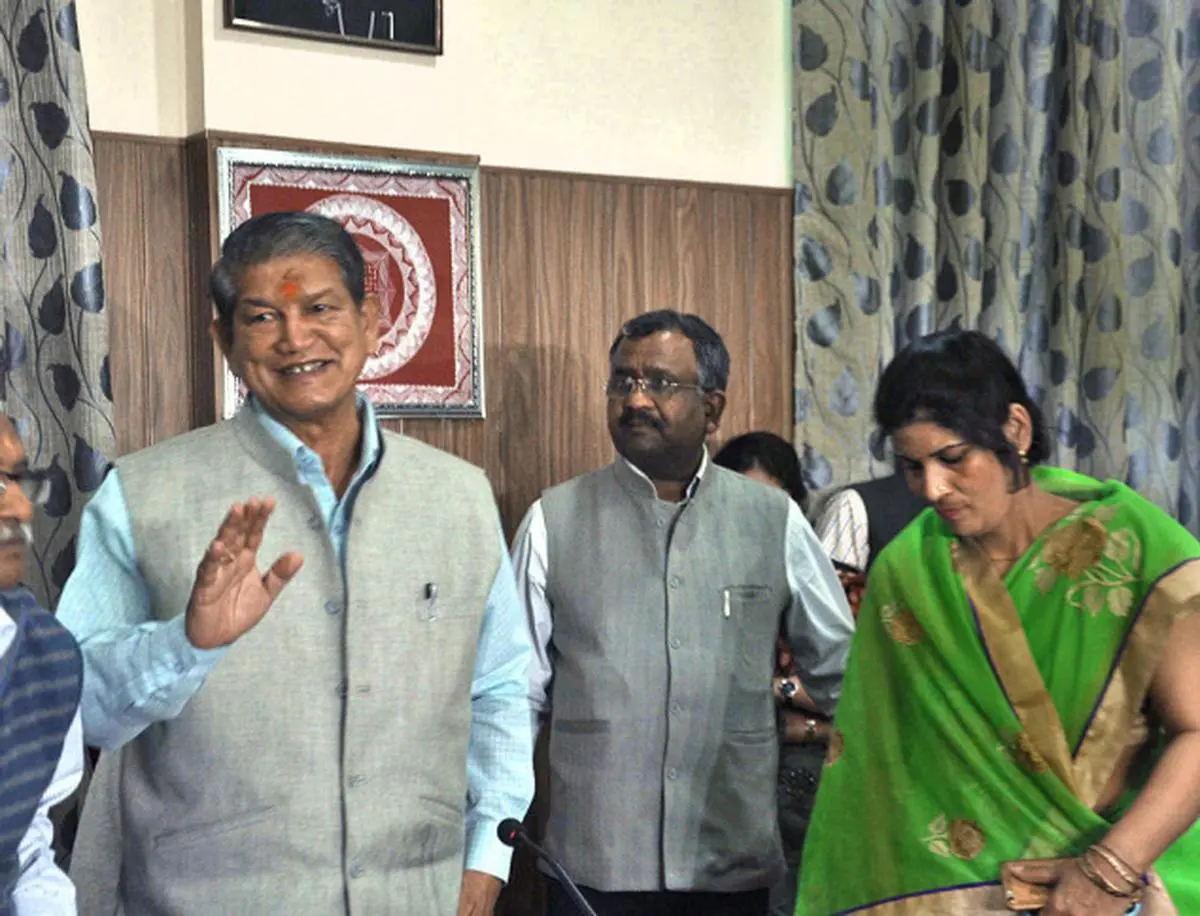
[(676, 708), (675, 582), (332, 607), (356, 870), (315, 523), (355, 781), (672, 773), (660, 523), (676, 643)]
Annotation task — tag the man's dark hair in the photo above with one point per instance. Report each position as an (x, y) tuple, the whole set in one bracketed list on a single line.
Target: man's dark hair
[(963, 382), (276, 235), (768, 452), (712, 359)]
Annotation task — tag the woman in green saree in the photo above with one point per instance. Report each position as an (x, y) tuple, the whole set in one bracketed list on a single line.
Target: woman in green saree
[(1025, 678)]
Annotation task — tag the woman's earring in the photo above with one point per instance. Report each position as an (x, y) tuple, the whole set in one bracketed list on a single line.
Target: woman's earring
[(1023, 455)]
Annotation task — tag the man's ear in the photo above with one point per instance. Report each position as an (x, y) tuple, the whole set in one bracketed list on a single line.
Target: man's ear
[(714, 407)]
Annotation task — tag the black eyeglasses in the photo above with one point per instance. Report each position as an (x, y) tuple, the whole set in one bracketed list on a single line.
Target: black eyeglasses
[(656, 387), (34, 484)]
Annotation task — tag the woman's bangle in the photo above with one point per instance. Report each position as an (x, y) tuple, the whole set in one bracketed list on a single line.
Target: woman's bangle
[(1090, 872), (1119, 865), (1132, 892)]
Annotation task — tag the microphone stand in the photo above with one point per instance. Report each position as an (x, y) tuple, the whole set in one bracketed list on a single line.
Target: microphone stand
[(518, 834), (564, 879)]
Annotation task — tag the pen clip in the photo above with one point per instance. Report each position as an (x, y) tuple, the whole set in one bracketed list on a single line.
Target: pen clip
[(725, 609), (429, 611)]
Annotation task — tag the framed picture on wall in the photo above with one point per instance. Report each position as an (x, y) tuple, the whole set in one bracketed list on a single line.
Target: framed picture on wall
[(403, 25), (417, 226)]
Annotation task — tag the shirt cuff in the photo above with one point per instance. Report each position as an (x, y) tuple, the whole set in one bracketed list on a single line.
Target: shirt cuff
[(485, 852), (178, 652)]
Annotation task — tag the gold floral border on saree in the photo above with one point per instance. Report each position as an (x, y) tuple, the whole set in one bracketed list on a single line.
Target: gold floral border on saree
[(980, 900), (1012, 660), (1087, 772), (1115, 717)]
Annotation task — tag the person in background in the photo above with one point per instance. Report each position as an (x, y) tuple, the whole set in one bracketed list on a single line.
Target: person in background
[(1023, 684), (341, 729), (41, 677), (857, 522), (803, 728), (656, 588)]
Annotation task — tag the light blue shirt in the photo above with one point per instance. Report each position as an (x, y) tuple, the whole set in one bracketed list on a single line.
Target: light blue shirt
[(139, 670)]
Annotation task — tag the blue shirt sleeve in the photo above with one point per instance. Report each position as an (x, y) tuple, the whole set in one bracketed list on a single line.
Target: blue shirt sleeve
[(500, 753), (137, 670)]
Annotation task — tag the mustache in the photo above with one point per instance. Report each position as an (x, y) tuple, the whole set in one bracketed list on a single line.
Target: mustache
[(629, 416), (11, 531)]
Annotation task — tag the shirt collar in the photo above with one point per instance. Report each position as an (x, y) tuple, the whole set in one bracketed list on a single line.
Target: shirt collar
[(303, 456), (689, 491)]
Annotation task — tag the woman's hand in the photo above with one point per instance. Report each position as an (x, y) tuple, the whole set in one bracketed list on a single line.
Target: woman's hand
[(1075, 894)]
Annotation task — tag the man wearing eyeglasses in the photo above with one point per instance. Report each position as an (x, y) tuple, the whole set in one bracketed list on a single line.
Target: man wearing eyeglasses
[(655, 590), (41, 675)]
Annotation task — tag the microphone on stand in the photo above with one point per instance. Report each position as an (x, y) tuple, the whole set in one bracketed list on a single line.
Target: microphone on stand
[(513, 833)]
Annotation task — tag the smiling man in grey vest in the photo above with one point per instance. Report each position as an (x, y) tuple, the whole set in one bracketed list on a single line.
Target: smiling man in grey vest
[(343, 733), (656, 588)]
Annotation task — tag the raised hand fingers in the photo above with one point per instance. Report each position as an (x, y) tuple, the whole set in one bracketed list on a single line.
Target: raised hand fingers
[(257, 513), (242, 527), (282, 572), (210, 564)]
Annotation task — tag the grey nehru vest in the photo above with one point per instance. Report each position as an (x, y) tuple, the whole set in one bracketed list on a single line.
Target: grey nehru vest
[(321, 769), (663, 745)]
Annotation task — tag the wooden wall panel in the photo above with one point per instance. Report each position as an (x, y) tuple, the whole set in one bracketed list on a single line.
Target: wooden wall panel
[(147, 285), (566, 259)]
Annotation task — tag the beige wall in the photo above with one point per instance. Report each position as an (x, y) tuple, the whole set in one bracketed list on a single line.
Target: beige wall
[(680, 89)]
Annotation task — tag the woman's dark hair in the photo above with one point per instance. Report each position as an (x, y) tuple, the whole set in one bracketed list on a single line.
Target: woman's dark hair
[(962, 381), (277, 235), (769, 453)]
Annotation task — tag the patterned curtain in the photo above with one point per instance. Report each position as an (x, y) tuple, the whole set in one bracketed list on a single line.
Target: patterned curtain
[(1027, 167), (54, 359)]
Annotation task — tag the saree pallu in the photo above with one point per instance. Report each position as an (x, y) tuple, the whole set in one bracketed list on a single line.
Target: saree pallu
[(982, 720)]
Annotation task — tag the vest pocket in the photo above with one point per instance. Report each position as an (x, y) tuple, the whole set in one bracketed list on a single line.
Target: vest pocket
[(750, 609), (186, 836)]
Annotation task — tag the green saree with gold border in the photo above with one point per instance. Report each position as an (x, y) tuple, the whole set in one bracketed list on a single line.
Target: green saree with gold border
[(982, 720)]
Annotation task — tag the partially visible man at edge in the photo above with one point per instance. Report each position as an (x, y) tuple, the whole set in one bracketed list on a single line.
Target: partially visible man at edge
[(656, 588), (354, 749), (40, 679)]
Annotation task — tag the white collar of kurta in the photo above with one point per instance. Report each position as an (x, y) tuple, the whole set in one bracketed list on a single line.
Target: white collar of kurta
[(689, 491)]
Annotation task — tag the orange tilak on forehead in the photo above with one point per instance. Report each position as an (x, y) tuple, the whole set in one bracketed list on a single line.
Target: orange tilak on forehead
[(289, 289)]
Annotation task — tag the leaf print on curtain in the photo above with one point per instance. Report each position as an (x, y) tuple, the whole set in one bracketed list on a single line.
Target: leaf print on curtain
[(1027, 167), (55, 351)]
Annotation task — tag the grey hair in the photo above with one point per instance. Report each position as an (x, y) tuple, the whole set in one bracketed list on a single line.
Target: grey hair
[(712, 358), (275, 235)]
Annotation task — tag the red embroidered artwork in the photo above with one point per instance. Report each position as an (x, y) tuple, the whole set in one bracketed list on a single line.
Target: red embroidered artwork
[(415, 234)]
